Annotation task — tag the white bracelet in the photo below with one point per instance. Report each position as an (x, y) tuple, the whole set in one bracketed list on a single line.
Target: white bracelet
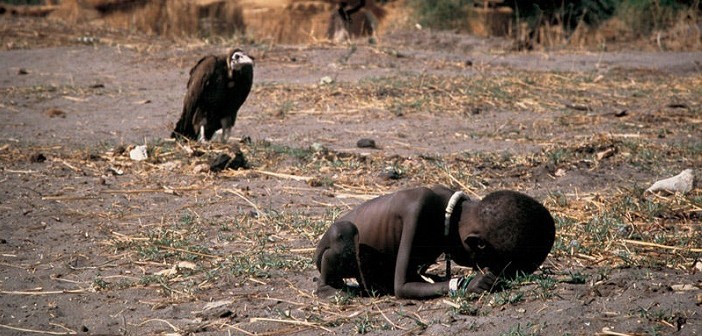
[(453, 284)]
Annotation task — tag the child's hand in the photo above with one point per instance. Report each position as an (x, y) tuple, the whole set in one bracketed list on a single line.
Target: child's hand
[(483, 282)]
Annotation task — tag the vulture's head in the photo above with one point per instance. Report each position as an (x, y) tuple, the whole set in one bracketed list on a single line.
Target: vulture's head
[(238, 60)]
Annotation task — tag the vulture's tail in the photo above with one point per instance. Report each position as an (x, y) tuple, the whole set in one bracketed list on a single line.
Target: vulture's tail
[(184, 128)]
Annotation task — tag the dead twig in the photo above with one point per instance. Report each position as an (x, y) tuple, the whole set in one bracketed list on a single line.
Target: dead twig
[(356, 196), (190, 252), (463, 186), (667, 247), (239, 329), (285, 176), (304, 250), (237, 193), (149, 190), (294, 322), (38, 331), (387, 319), (159, 320), (607, 332), (66, 198), (68, 291)]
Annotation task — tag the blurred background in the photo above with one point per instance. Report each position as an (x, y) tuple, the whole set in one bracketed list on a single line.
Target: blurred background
[(662, 24)]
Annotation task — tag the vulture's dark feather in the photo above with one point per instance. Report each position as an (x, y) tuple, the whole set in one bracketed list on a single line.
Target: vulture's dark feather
[(217, 88)]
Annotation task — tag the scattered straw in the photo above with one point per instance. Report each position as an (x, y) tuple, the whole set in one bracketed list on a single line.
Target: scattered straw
[(237, 193), (159, 320), (38, 331), (666, 247), (386, 317), (190, 252), (149, 190), (72, 291), (239, 329), (463, 186), (304, 250), (285, 176), (293, 322), (67, 198), (607, 332)]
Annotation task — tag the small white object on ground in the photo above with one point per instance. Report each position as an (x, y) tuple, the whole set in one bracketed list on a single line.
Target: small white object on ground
[(681, 183), (138, 153), (326, 80)]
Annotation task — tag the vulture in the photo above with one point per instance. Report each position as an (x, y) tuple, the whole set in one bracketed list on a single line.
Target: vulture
[(346, 14), (217, 88)]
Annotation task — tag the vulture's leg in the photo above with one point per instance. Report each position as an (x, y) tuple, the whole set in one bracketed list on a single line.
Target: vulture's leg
[(225, 134), (201, 135), (227, 124)]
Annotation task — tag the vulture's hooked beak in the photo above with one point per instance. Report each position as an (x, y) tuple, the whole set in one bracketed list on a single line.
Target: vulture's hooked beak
[(239, 60)]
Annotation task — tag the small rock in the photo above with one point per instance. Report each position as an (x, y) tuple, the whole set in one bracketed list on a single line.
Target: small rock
[(22, 71), (216, 314), (684, 287), (391, 173), (469, 62), (366, 143), (37, 158), (317, 147), (139, 153), (88, 39), (55, 113), (169, 166), (326, 80), (606, 153), (220, 162), (97, 86), (224, 161), (186, 265), (578, 107), (621, 113), (203, 167), (115, 171), (3, 241), (678, 105), (216, 309)]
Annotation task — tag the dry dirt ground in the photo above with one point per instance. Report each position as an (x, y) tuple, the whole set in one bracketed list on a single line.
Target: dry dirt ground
[(92, 242)]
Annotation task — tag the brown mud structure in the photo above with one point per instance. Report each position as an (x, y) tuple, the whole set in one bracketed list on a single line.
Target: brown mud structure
[(95, 243)]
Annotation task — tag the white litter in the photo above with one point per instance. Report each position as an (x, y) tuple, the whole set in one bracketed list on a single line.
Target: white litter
[(326, 80), (681, 183), (138, 153)]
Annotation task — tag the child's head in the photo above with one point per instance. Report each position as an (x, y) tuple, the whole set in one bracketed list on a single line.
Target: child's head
[(508, 232)]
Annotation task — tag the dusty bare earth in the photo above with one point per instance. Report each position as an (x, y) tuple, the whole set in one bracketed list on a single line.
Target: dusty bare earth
[(92, 242)]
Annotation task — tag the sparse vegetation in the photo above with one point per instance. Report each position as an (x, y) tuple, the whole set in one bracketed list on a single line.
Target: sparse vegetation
[(552, 23), (441, 14), (148, 246)]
